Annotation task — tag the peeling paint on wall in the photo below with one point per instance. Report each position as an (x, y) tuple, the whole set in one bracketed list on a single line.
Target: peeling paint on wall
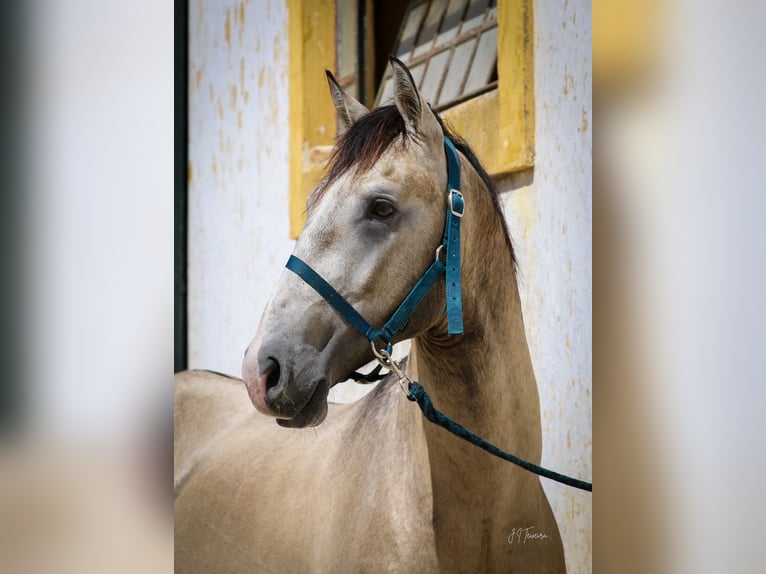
[(550, 221), (238, 146)]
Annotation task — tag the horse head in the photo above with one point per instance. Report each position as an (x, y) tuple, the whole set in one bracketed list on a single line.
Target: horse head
[(373, 227)]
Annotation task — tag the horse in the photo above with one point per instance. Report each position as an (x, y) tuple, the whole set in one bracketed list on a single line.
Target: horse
[(371, 486)]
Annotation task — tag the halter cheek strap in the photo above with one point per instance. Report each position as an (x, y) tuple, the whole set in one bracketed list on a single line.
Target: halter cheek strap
[(451, 269), (451, 241)]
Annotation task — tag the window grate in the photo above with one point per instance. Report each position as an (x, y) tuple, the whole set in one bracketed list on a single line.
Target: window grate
[(450, 46)]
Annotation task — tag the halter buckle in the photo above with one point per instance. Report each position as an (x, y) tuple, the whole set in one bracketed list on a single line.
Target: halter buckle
[(452, 208)]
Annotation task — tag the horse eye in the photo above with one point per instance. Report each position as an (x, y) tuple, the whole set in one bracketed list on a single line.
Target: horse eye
[(382, 209)]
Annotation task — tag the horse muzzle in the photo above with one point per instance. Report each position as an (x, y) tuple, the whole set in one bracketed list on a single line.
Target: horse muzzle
[(294, 398), (289, 371)]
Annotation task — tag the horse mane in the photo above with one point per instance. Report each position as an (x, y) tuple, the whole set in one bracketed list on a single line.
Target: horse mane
[(360, 147)]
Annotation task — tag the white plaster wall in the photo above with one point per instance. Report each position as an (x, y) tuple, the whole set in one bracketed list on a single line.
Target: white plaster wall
[(551, 221), (238, 173), (238, 215)]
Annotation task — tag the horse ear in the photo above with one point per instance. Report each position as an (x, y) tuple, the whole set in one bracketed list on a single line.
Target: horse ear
[(411, 105), (349, 110)]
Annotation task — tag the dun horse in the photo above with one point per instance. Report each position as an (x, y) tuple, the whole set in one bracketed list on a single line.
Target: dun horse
[(374, 487)]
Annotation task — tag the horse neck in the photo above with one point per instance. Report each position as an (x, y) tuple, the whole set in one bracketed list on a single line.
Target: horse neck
[(482, 379)]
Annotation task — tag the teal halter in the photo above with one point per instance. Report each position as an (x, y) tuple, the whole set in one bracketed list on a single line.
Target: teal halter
[(450, 268)]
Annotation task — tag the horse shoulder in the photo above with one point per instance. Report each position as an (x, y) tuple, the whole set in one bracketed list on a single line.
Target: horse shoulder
[(353, 493), (381, 496)]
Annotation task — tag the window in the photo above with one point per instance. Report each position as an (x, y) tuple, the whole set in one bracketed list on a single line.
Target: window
[(353, 46), (450, 47), (472, 58)]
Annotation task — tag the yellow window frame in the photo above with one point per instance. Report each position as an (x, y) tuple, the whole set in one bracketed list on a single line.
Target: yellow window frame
[(499, 125)]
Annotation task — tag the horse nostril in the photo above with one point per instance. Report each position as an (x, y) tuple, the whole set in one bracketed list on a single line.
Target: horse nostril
[(273, 371)]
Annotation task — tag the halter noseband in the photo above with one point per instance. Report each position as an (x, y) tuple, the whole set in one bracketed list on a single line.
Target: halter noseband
[(451, 268)]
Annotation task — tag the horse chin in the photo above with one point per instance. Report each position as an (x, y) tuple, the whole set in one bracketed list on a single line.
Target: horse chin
[(314, 413)]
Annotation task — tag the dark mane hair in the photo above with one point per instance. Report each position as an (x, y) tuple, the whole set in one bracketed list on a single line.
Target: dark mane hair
[(371, 135)]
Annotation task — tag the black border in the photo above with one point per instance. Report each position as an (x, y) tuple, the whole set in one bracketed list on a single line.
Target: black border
[(181, 180)]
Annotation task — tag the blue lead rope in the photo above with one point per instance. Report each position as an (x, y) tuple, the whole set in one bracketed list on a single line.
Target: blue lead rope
[(418, 394)]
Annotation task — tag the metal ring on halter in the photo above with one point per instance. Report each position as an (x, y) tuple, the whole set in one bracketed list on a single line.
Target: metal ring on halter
[(384, 358), (439, 251)]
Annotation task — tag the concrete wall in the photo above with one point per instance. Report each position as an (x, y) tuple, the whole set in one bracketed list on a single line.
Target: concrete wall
[(238, 173), (238, 214), (550, 222)]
